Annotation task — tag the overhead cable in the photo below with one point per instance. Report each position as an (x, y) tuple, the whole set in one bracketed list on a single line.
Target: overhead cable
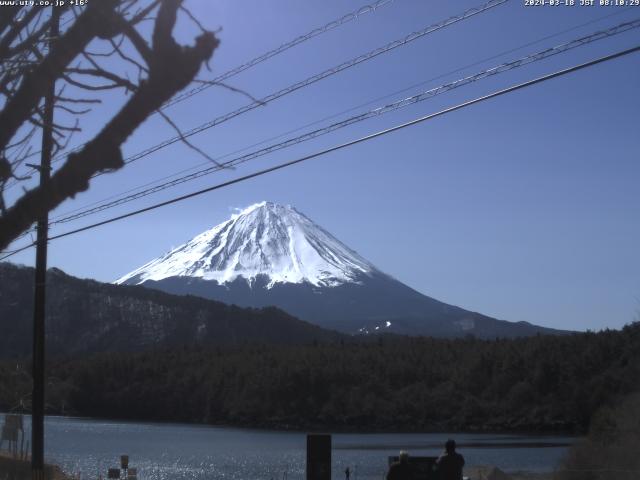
[(315, 78), (341, 146), (272, 53), (253, 62), (520, 62), (335, 115)]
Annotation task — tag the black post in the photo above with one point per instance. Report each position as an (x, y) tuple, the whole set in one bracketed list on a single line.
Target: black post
[(318, 457), (37, 408)]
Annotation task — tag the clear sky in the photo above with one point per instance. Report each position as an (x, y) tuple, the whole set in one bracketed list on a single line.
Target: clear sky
[(526, 207)]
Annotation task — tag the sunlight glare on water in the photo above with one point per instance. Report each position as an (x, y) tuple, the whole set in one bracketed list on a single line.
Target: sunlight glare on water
[(192, 452)]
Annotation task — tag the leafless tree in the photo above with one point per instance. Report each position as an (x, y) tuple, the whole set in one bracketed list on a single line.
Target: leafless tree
[(101, 45)]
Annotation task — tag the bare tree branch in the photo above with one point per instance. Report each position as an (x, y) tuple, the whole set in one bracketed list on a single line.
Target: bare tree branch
[(184, 140), (15, 30), (78, 100), (171, 67), (7, 16), (233, 89), (118, 82), (90, 23), (72, 111)]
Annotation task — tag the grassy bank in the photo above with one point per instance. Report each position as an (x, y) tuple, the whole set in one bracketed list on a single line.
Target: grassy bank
[(12, 468)]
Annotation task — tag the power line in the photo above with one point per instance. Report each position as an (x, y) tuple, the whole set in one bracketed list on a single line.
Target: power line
[(316, 122), (578, 42), (320, 76), (285, 46), (253, 62), (315, 78), (526, 60), (350, 143), (479, 62)]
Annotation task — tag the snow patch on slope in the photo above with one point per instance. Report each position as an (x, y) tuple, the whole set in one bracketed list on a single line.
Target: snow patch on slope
[(263, 239)]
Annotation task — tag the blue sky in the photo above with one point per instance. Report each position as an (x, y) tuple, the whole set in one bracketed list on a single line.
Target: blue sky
[(523, 208)]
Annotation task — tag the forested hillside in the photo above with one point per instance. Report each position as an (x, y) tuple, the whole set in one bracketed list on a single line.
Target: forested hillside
[(540, 383), (85, 316)]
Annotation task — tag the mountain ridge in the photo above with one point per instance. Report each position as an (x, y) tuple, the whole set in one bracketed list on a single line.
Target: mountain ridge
[(86, 316), (269, 254)]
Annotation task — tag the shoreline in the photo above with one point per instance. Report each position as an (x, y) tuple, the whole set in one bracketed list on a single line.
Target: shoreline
[(492, 472), (336, 429), (502, 469), (22, 467)]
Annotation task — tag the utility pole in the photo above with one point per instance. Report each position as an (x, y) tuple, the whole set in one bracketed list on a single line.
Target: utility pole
[(37, 408)]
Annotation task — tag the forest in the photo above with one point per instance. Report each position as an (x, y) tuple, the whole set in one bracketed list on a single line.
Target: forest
[(541, 383)]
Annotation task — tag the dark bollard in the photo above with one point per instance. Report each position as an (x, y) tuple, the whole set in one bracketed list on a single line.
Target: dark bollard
[(318, 457)]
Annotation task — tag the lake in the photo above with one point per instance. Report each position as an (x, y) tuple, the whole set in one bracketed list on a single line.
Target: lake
[(192, 452)]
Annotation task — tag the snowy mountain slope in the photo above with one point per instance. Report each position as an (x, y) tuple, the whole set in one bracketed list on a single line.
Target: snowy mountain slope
[(264, 239), (270, 254)]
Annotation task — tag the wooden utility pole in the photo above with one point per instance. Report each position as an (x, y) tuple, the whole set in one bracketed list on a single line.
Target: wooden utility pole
[(37, 408)]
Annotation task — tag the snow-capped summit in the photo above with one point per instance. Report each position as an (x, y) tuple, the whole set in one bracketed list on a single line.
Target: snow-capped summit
[(264, 239), (272, 255)]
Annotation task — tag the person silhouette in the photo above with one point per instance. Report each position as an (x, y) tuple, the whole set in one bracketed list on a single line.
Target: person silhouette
[(400, 470), (347, 473), (449, 464)]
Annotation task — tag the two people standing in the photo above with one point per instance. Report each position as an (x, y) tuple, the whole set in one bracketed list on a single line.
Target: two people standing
[(448, 466)]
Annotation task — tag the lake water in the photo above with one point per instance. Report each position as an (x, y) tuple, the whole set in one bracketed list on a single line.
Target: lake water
[(191, 452)]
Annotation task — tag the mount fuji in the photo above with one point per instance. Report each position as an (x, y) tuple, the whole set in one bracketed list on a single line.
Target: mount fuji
[(270, 254)]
